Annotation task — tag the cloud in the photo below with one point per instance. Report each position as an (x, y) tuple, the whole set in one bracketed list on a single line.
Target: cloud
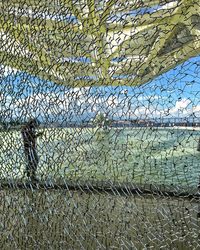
[(77, 103), (181, 108), (7, 70), (112, 101), (148, 112), (196, 109), (182, 104)]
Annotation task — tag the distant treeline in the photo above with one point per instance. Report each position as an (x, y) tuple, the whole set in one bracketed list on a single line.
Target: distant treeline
[(10, 124)]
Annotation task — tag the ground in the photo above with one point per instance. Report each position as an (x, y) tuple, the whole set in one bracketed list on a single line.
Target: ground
[(61, 219)]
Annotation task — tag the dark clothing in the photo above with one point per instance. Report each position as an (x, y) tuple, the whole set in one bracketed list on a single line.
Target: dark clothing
[(29, 136), (29, 139), (198, 146)]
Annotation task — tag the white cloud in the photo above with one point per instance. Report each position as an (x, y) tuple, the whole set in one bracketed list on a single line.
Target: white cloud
[(84, 102), (181, 108), (182, 104), (150, 111), (196, 108), (7, 70), (112, 101)]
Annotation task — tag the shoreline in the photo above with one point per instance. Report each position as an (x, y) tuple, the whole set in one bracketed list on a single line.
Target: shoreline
[(117, 127), (182, 127), (163, 128)]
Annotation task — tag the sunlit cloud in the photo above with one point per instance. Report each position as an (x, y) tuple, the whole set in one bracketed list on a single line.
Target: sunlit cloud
[(81, 103), (7, 70)]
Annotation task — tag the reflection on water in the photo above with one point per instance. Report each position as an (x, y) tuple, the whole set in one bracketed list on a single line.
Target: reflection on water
[(76, 220)]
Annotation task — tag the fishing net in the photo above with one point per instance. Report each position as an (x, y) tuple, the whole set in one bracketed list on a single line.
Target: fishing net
[(99, 124)]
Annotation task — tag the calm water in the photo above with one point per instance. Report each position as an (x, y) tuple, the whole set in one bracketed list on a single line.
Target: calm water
[(139, 155)]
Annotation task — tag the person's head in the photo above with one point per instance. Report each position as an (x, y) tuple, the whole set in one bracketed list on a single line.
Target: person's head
[(33, 122)]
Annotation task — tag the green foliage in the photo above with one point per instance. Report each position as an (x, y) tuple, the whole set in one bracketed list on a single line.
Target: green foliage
[(101, 120), (102, 135)]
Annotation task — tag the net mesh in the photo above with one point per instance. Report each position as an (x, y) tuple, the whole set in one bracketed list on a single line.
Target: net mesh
[(99, 124)]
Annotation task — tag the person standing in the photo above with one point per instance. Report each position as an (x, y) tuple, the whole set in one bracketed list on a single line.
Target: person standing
[(29, 140), (198, 146)]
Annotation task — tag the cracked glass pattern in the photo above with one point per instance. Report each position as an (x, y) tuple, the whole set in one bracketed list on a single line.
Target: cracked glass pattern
[(99, 124)]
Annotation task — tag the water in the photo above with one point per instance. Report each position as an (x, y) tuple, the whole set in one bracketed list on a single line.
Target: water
[(136, 155)]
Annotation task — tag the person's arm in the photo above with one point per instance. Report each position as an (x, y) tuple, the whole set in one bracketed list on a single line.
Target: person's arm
[(39, 134)]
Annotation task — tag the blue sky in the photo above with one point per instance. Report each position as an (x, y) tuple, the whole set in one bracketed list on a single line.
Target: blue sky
[(175, 93)]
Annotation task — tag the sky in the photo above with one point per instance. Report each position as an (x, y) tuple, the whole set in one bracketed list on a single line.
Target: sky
[(173, 94)]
